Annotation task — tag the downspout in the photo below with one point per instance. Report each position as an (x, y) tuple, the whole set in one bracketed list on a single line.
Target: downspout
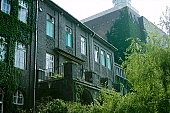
[(92, 52), (35, 57)]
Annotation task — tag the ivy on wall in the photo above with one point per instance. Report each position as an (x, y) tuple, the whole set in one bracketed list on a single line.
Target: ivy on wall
[(123, 28), (13, 30)]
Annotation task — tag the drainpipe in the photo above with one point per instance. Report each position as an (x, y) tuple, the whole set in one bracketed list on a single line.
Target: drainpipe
[(35, 57), (92, 52)]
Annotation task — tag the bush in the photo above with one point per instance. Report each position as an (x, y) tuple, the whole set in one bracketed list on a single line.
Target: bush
[(55, 106)]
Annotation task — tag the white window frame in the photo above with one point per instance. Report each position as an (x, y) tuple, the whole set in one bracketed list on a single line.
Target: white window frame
[(1, 100), (2, 48), (83, 45), (20, 56), (96, 53), (49, 64), (50, 26), (18, 98), (69, 37), (5, 6), (23, 11)]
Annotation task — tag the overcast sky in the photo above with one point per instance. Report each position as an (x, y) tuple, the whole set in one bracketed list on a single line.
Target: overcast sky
[(81, 9)]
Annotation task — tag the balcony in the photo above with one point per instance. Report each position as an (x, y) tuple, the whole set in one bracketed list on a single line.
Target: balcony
[(119, 71), (44, 75)]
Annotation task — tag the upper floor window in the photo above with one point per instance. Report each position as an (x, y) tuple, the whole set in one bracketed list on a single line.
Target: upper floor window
[(5, 6), (49, 63), (96, 53), (69, 38), (18, 98), (83, 45), (103, 59), (109, 64), (23, 11), (50, 26), (20, 56), (1, 100), (2, 48)]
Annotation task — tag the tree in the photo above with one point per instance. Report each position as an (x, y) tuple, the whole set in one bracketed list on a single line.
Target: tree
[(147, 68)]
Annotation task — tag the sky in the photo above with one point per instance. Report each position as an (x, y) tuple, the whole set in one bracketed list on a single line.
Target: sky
[(81, 9)]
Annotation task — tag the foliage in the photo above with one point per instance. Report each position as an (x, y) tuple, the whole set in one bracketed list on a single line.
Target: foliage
[(106, 103), (165, 21), (123, 28), (147, 69), (13, 30), (55, 106)]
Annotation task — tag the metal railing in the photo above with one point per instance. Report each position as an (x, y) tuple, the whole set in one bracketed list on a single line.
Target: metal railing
[(48, 74)]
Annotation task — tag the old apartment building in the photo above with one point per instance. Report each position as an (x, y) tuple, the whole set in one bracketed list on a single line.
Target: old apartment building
[(45, 51)]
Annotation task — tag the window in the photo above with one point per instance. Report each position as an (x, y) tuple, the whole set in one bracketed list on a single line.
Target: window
[(96, 53), (20, 56), (23, 11), (69, 37), (83, 45), (18, 98), (103, 62), (50, 26), (109, 61), (5, 6), (1, 100), (49, 63), (2, 48)]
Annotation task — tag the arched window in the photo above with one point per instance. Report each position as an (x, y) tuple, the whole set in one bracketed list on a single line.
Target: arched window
[(18, 98), (1, 100)]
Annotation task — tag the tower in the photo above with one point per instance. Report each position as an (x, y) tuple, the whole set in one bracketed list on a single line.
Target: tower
[(121, 2)]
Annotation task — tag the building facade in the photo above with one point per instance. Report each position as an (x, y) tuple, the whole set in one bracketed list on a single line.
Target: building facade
[(16, 26), (73, 62), (46, 52)]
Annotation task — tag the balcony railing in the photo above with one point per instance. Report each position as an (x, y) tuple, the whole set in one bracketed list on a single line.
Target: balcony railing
[(119, 71), (47, 74)]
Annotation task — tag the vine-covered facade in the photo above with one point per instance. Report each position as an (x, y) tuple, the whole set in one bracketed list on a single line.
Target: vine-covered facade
[(16, 26)]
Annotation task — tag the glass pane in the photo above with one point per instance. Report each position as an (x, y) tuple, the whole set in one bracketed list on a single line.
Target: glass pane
[(69, 40), (103, 58), (108, 61), (22, 14)]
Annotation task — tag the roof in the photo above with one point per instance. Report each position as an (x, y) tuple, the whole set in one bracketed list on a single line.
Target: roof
[(80, 24), (108, 11)]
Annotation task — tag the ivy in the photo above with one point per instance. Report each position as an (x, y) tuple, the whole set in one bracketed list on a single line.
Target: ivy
[(123, 28), (13, 30)]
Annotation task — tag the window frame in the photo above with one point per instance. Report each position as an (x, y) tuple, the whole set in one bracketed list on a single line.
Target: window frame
[(50, 23), (2, 48), (96, 53), (83, 45), (23, 8), (7, 8), (48, 67), (109, 61), (20, 50), (69, 37), (103, 58), (18, 98)]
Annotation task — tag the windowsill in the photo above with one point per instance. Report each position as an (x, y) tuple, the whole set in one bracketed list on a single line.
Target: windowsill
[(49, 36), (68, 47)]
